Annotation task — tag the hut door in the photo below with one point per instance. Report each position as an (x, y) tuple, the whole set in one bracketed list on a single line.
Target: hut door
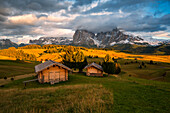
[(57, 76), (51, 76)]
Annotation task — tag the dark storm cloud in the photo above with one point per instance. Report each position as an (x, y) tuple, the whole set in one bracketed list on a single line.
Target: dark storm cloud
[(2, 18), (23, 6), (4, 11), (134, 17), (133, 23)]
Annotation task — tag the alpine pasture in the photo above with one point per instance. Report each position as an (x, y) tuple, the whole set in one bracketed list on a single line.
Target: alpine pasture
[(135, 89)]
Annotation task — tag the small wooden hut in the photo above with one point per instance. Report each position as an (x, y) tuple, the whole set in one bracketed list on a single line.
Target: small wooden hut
[(94, 69), (52, 72)]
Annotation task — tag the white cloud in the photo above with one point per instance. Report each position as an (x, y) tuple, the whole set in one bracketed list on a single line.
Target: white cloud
[(27, 19)]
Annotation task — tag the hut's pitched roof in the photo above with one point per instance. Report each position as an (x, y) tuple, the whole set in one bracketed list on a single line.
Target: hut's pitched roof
[(95, 65), (47, 64)]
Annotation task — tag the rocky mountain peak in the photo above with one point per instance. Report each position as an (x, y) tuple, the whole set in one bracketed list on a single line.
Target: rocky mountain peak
[(83, 37), (103, 39), (5, 43)]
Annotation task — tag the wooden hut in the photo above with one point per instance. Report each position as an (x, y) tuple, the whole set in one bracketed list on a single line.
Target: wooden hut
[(94, 69), (52, 72)]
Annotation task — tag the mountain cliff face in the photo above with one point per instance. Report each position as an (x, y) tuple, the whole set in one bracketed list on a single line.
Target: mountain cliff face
[(5, 43), (103, 39), (83, 37)]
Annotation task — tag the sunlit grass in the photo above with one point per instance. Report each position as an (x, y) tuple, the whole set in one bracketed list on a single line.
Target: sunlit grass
[(73, 98)]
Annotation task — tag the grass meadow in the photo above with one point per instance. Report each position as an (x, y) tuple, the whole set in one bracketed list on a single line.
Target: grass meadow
[(12, 68), (87, 94), (110, 94)]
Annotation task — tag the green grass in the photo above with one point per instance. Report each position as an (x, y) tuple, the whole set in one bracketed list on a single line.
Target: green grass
[(11, 68), (89, 94), (74, 98), (151, 71), (129, 94)]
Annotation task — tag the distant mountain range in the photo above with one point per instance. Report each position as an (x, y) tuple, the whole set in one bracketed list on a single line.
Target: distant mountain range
[(115, 39), (52, 40), (110, 38), (102, 39), (6, 43)]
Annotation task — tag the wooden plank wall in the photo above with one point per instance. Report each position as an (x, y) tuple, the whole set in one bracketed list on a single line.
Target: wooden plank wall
[(93, 70), (44, 76)]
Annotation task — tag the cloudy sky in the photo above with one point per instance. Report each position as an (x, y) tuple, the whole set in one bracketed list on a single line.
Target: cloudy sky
[(21, 20)]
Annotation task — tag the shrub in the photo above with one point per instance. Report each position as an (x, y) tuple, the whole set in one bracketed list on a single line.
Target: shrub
[(96, 56), (12, 78), (140, 67), (5, 77), (151, 62), (17, 59), (164, 74), (113, 58), (117, 68), (143, 63)]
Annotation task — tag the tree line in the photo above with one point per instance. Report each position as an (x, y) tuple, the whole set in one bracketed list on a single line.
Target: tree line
[(76, 59), (110, 65), (18, 54)]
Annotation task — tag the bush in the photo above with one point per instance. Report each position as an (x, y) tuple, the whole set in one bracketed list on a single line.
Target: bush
[(151, 62), (12, 78), (17, 59), (143, 63), (140, 67), (117, 68), (113, 58), (5, 77), (111, 67), (96, 56)]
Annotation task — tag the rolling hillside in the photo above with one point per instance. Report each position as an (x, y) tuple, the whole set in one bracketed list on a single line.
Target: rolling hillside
[(141, 49)]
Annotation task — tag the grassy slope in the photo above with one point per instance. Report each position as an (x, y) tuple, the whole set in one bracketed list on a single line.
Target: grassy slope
[(151, 71), (129, 95), (77, 98), (12, 68)]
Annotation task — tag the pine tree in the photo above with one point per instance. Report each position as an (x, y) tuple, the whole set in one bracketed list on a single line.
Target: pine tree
[(111, 67), (117, 68), (108, 58)]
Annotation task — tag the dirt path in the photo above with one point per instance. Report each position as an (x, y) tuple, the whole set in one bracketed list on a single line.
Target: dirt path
[(156, 78), (3, 81)]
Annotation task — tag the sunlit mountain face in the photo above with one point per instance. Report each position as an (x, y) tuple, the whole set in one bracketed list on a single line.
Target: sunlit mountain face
[(21, 20)]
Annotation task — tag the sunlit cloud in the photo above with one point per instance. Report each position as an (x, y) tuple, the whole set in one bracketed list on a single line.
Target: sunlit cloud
[(36, 18)]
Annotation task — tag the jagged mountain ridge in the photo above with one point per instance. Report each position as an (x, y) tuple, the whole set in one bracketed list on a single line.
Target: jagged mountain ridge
[(52, 40), (6, 43), (104, 39)]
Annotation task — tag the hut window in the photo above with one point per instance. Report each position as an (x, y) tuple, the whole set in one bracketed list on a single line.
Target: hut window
[(48, 68)]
